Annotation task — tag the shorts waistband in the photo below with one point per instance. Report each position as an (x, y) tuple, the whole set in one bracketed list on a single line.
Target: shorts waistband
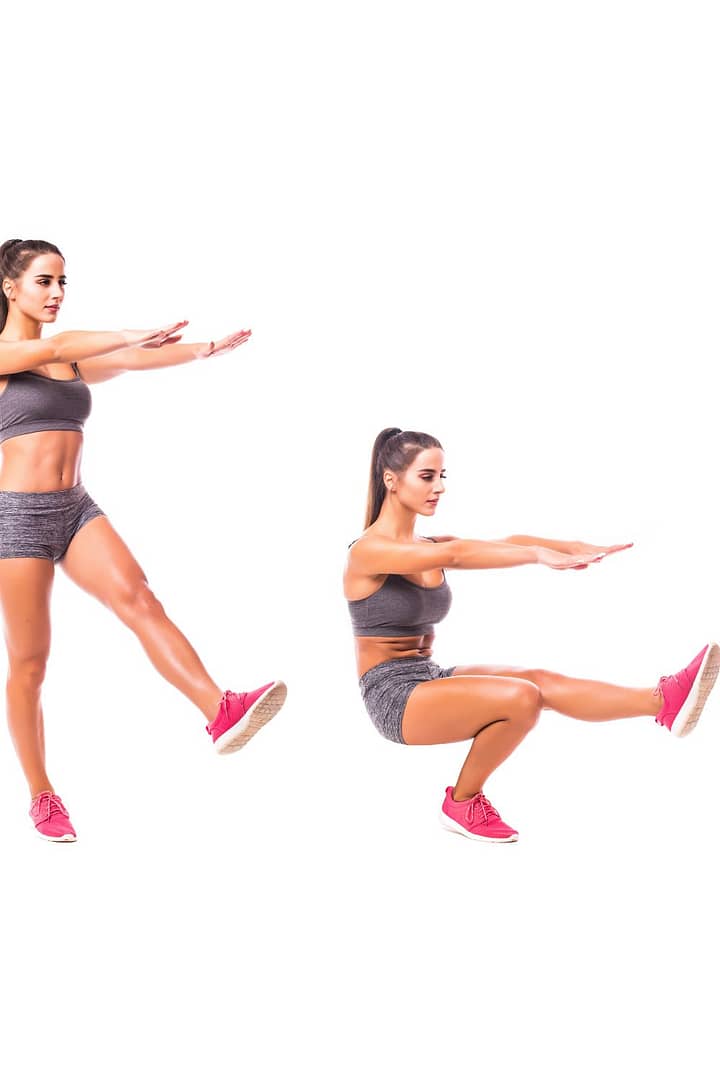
[(43, 498), (385, 665)]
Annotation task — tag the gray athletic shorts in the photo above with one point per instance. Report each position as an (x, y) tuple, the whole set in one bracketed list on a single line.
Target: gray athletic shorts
[(386, 688), (41, 524)]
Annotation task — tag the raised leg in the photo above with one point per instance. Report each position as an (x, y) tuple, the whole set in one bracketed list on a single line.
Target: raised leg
[(99, 561), (583, 699)]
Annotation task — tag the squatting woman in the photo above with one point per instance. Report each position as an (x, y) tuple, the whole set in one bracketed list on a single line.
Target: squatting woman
[(397, 591)]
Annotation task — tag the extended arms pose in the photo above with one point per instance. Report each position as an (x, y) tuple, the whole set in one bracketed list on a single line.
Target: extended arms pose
[(568, 547), (375, 554), (165, 354), (107, 354), (76, 345)]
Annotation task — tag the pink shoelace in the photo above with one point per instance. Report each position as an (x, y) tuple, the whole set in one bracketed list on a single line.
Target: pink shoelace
[(50, 804), (483, 806), (225, 700), (659, 692), (662, 680)]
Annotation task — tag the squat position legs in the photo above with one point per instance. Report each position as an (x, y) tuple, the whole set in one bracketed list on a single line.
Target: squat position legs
[(497, 706)]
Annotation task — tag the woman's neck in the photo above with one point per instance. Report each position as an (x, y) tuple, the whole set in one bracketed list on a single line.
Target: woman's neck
[(21, 328), (397, 522)]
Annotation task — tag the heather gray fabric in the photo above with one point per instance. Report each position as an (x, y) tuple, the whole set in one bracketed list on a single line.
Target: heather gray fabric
[(41, 524), (400, 608), (386, 688), (35, 402)]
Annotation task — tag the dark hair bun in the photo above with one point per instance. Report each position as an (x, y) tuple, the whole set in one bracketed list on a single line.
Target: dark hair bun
[(387, 433)]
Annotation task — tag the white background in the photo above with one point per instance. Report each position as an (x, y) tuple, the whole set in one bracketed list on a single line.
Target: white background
[(495, 222)]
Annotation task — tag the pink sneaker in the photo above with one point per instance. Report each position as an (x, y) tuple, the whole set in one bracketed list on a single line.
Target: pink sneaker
[(475, 818), (684, 695), (240, 716), (51, 818)]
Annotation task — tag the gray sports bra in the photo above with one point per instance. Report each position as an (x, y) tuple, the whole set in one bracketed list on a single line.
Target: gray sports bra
[(34, 402), (400, 608)]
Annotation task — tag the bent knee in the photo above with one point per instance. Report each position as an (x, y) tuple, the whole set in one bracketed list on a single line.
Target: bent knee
[(544, 680), (527, 701)]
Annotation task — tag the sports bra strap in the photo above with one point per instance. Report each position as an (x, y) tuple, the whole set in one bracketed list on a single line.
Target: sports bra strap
[(432, 538)]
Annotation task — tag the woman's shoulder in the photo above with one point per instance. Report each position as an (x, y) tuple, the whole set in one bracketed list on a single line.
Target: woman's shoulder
[(370, 536), (359, 539)]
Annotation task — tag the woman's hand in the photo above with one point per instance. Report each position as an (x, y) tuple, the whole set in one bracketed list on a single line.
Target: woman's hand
[(593, 551), (560, 560), (226, 344), (155, 339)]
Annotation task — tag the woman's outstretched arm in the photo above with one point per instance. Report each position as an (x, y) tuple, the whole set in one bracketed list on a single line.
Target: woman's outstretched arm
[(169, 354), (569, 547), (375, 555), (75, 345)]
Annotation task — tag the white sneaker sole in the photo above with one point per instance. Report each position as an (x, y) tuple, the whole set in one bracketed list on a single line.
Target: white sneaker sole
[(689, 714), (255, 718), (453, 826), (67, 839)]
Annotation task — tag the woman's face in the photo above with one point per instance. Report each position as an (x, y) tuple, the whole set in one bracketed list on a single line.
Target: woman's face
[(419, 488), (39, 292)]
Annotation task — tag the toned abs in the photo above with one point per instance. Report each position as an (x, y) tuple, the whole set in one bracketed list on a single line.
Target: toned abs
[(41, 460), (371, 651)]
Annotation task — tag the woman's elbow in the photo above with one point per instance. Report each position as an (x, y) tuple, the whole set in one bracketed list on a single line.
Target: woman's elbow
[(455, 555)]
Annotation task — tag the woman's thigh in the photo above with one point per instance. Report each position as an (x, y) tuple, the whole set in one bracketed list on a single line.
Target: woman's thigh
[(100, 562), (546, 681), (459, 707), (25, 590), (503, 670)]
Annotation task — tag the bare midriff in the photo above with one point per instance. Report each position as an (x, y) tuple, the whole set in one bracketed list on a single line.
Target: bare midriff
[(371, 651), (41, 461)]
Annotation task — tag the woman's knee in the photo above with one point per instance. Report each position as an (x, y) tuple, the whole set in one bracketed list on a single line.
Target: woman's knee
[(26, 672), (526, 703), (543, 680), (136, 603)]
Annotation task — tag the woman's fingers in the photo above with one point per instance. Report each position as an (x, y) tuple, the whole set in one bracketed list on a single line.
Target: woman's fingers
[(230, 342), (613, 550), (170, 335), (582, 555), (170, 331), (154, 339), (238, 338)]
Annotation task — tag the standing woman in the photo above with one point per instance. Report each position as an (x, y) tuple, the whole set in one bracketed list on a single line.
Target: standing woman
[(46, 516), (396, 591)]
